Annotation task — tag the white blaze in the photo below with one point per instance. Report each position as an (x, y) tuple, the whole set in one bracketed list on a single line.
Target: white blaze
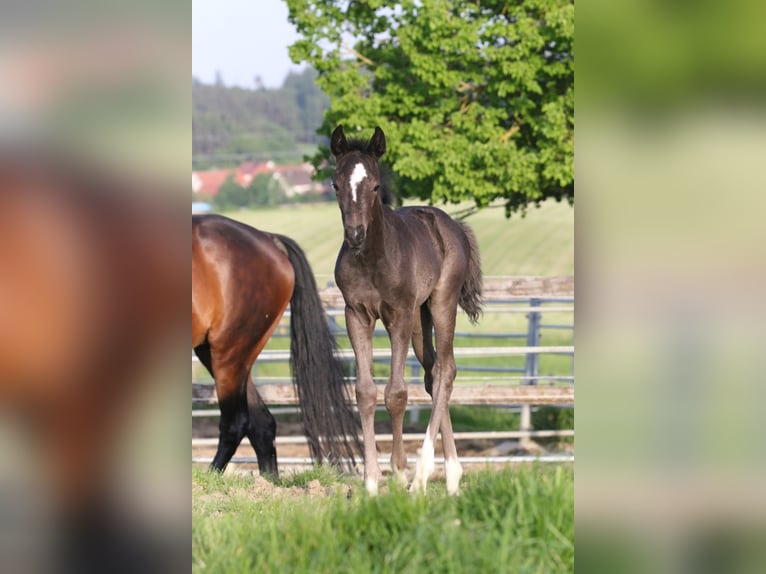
[(357, 176)]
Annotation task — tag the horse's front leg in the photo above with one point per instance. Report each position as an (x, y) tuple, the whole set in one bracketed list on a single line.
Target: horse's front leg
[(399, 329), (360, 327)]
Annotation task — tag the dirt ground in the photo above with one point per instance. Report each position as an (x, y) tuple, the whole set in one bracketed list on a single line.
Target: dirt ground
[(264, 489)]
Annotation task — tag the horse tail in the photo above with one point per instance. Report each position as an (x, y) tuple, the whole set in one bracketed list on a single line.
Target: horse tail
[(328, 418), (470, 293)]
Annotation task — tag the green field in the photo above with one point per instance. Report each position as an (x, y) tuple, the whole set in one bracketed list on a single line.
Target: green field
[(542, 243), (513, 520)]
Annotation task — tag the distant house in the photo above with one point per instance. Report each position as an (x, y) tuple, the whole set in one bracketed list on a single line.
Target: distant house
[(296, 180), (207, 183), (248, 171), (292, 179)]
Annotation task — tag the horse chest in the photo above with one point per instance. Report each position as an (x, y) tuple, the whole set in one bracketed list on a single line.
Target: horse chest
[(362, 291)]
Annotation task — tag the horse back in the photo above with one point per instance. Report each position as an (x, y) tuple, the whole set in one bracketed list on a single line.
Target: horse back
[(433, 225), (240, 275)]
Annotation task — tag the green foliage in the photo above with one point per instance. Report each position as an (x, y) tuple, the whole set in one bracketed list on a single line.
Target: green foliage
[(231, 195), (553, 418), (513, 520), (476, 98), (472, 418), (263, 191)]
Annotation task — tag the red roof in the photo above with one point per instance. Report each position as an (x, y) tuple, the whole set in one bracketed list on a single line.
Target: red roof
[(208, 182)]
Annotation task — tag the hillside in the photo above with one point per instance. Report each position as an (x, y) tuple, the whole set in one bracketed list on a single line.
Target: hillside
[(232, 124)]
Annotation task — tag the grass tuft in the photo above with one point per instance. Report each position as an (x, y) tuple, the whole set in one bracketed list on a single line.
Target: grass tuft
[(514, 520)]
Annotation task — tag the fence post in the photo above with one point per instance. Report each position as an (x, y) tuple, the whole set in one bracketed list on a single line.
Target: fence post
[(530, 369)]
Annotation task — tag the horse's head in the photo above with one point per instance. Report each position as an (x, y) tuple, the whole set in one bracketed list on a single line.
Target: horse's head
[(356, 182)]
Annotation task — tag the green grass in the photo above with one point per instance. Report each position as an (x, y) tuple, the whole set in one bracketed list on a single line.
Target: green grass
[(542, 243), (515, 520)]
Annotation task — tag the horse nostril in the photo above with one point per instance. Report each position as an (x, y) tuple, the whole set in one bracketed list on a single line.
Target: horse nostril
[(355, 234)]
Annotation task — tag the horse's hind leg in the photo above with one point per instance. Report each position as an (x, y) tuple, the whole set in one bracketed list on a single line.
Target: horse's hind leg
[(443, 311), (233, 408), (422, 343), (203, 354), (261, 431), (230, 387)]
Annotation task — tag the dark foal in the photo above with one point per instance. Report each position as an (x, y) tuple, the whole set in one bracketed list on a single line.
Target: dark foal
[(242, 281), (411, 268)]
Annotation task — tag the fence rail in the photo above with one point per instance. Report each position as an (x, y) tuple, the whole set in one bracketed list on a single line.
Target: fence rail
[(284, 394), (409, 437), (533, 296)]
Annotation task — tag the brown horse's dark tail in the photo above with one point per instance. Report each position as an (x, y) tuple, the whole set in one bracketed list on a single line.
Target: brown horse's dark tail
[(328, 418), (470, 293)]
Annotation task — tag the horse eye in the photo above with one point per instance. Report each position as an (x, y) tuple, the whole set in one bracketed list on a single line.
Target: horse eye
[(334, 186), (376, 188)]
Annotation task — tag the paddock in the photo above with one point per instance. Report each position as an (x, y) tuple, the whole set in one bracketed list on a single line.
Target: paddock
[(490, 374)]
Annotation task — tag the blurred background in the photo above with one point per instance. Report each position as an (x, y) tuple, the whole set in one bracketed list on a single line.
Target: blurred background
[(94, 155), (670, 257)]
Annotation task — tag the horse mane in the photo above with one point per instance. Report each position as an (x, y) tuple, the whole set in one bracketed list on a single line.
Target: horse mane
[(357, 144), (388, 197)]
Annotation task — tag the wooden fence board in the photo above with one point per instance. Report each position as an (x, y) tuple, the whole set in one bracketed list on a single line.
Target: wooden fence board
[(284, 394)]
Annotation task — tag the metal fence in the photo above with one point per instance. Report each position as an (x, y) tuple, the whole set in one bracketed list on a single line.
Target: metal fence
[(521, 386)]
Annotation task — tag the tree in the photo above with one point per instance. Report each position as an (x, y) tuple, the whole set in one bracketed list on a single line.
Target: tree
[(264, 191), (231, 195), (476, 98), (233, 124), (310, 100)]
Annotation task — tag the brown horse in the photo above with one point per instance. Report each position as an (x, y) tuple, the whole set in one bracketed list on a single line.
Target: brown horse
[(90, 283), (411, 268), (242, 281)]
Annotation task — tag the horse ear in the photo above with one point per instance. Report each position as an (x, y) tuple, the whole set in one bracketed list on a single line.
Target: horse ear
[(377, 145), (338, 144)]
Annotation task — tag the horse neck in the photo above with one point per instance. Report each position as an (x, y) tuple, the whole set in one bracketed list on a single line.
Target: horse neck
[(376, 231)]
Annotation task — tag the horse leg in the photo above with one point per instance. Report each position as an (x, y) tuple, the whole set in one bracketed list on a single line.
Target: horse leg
[(422, 342), (230, 387), (231, 418), (360, 328), (203, 354), (261, 431), (443, 312), (399, 327)]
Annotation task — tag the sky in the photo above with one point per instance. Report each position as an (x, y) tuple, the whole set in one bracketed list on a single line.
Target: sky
[(241, 39)]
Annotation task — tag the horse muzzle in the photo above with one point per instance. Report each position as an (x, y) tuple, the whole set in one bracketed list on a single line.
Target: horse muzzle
[(355, 236)]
